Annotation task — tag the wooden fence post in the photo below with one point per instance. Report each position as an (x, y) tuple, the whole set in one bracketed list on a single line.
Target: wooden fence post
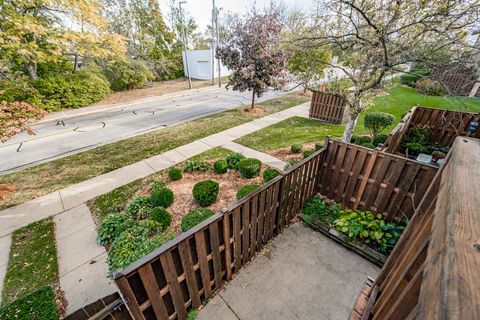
[(366, 176)]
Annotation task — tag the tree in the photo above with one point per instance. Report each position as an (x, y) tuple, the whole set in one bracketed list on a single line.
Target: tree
[(376, 122), (374, 38), (32, 32), (254, 56), (16, 117)]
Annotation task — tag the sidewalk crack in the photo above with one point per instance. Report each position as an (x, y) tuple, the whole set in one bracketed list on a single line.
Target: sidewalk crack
[(234, 313)]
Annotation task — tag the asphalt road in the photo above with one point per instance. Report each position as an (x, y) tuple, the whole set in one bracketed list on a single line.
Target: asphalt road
[(74, 132)]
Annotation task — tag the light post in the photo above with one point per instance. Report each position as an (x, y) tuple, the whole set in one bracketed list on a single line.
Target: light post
[(184, 37)]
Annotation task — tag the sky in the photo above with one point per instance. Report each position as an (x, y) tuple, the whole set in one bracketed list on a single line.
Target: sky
[(201, 10)]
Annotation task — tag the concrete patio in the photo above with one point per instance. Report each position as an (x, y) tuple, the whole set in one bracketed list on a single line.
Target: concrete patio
[(301, 274)]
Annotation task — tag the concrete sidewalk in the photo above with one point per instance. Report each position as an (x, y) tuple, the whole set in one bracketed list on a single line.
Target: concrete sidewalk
[(57, 202), (301, 274)]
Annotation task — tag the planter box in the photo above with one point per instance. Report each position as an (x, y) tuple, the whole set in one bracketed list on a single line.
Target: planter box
[(354, 245)]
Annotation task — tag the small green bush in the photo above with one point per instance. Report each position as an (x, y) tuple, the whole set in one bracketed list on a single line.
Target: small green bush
[(269, 174), (112, 226), (162, 216), (127, 75), (318, 208), (234, 159), (205, 192), (413, 76), (376, 122), (296, 148), (319, 146), (291, 163), (243, 191), (354, 138), (137, 204), (39, 304), (381, 138), (157, 185), (194, 217), (368, 145), (249, 167), (162, 197), (363, 139), (175, 174), (196, 165), (308, 153), (416, 140), (220, 166), (430, 87)]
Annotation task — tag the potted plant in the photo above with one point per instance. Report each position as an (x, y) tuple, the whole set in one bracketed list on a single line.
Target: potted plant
[(436, 155)]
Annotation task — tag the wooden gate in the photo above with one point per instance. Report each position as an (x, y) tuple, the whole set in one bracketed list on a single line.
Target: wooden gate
[(327, 107)]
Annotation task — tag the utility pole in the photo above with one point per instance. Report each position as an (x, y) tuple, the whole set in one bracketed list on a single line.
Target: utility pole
[(184, 36), (213, 43), (218, 40)]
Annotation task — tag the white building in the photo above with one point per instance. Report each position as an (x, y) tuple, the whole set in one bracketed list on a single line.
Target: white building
[(200, 65)]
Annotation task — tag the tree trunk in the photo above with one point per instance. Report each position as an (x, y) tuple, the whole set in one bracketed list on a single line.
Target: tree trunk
[(253, 99), (352, 121), (31, 68)]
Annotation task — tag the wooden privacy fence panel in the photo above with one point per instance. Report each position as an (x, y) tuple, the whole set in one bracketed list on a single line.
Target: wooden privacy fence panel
[(444, 126), (362, 178), (394, 138), (457, 80), (432, 273), (327, 107), (185, 271)]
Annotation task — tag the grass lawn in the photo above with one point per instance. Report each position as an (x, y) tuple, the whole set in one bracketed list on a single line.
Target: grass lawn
[(398, 101), (33, 260), (40, 304), (45, 178)]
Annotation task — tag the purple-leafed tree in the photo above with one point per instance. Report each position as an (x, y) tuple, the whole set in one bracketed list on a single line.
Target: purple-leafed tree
[(253, 54)]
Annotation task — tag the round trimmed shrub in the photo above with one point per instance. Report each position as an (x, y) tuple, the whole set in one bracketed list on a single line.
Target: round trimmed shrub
[(319, 146), (205, 192), (362, 139), (296, 148), (381, 138), (368, 145), (243, 191), (162, 197), (233, 160), (194, 217), (138, 204), (162, 216), (220, 166), (175, 174), (269, 174), (308, 153), (376, 122), (249, 167)]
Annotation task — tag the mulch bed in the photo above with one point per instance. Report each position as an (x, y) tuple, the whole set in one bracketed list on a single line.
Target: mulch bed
[(286, 155)]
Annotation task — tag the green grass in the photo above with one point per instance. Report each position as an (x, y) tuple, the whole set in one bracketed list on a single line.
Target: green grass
[(398, 101), (33, 260), (213, 154), (45, 178), (40, 304)]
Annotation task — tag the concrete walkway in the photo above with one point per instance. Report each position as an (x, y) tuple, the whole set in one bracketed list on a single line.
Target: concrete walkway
[(301, 274), (82, 262)]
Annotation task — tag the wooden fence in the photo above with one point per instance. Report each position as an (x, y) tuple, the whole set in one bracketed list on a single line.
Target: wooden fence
[(185, 271), (432, 272), (458, 81), (362, 178), (327, 107), (444, 126)]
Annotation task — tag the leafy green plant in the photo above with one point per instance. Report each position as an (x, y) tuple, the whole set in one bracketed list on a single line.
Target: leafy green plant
[(249, 167), (245, 190), (161, 216), (392, 233), (192, 314), (430, 87), (376, 122), (220, 166), (416, 140), (269, 174), (413, 76), (233, 159), (162, 197), (194, 217), (137, 204), (381, 138), (318, 208), (359, 140), (296, 148), (319, 146), (157, 185), (308, 153), (196, 165), (291, 163), (39, 304), (205, 192), (112, 226), (175, 174), (126, 75), (367, 145)]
